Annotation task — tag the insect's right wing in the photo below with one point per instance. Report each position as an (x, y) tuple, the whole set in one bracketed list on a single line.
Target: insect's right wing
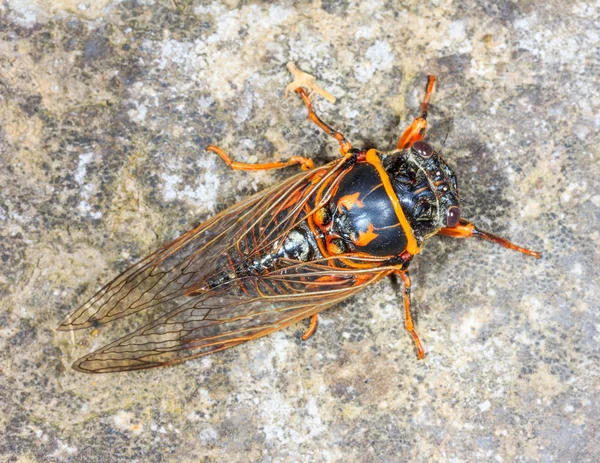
[(224, 317), (163, 274), (175, 270)]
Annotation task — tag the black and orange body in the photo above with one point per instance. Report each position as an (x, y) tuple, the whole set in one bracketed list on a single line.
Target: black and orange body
[(363, 217), (385, 204), (284, 254)]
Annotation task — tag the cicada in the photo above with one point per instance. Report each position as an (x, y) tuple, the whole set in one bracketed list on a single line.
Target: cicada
[(286, 253)]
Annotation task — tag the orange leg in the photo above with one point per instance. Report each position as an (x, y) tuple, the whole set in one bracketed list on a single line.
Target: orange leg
[(345, 146), (408, 323), (465, 229), (314, 322), (416, 130), (306, 163)]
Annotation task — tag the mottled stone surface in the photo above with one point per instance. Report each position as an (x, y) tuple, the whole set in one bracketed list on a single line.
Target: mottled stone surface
[(105, 107)]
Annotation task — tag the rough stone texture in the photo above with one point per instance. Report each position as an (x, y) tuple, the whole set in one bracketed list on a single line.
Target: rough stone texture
[(105, 108)]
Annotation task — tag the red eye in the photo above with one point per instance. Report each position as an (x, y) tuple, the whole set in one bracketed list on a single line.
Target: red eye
[(423, 149), (453, 216)]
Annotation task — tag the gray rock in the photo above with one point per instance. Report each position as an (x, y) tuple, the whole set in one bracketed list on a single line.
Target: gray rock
[(105, 110)]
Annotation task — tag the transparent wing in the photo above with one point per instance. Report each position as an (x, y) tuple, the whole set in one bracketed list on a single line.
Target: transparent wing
[(203, 305), (180, 267), (160, 276), (223, 317)]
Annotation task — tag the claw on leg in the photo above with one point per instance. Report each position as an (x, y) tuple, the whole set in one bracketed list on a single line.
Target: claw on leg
[(312, 328)]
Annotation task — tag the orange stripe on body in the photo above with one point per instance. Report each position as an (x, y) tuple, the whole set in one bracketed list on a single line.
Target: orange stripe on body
[(365, 238), (411, 243), (349, 201)]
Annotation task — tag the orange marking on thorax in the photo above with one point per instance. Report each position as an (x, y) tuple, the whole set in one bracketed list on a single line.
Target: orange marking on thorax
[(333, 248), (349, 201), (411, 243), (365, 238), (319, 217)]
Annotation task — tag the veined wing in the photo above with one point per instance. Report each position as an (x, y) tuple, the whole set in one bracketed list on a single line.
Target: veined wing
[(176, 269), (224, 317)]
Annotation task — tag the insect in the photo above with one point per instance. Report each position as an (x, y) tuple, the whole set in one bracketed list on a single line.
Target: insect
[(286, 253)]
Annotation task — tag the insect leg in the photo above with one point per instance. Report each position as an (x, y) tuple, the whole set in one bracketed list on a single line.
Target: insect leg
[(345, 146), (416, 130), (465, 229), (408, 323), (306, 163), (312, 328)]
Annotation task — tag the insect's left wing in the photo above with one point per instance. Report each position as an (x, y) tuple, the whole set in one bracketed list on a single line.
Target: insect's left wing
[(224, 317)]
